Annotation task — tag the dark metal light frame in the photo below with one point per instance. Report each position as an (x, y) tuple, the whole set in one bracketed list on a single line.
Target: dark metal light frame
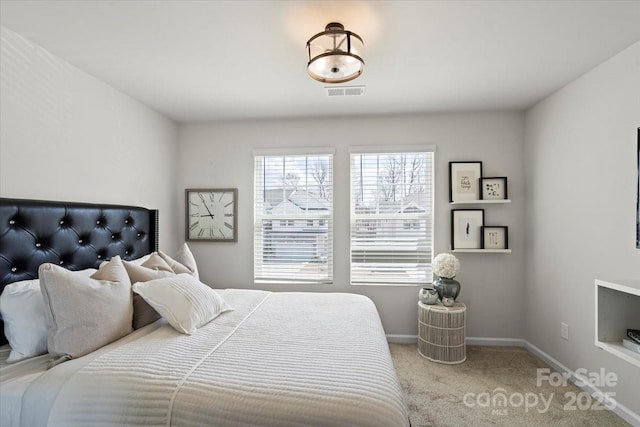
[(334, 30)]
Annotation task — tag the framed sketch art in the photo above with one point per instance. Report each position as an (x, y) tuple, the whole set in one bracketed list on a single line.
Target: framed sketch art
[(495, 237), (464, 180), (466, 228), (494, 188)]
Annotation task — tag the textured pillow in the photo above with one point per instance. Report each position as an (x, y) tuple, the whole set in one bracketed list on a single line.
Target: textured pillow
[(137, 261), (143, 313), (25, 323), (84, 314), (183, 301), (156, 262), (184, 261)]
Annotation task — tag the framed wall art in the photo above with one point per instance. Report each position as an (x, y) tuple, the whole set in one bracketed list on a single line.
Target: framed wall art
[(495, 237), (493, 188), (638, 199), (464, 181), (211, 214), (466, 228)]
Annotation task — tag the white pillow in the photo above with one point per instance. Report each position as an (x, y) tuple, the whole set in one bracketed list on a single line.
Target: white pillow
[(25, 323), (183, 301), (155, 267), (137, 261), (183, 262), (85, 313), (156, 263), (140, 261)]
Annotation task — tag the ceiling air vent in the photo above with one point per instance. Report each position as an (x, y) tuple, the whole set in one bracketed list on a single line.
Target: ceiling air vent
[(345, 91)]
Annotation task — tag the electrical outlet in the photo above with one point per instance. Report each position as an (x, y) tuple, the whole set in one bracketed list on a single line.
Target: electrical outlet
[(564, 331)]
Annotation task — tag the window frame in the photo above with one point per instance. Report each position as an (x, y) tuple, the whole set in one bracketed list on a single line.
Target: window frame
[(429, 215), (290, 220)]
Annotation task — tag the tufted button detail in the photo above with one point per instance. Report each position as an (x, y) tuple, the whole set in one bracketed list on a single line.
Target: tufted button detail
[(71, 236)]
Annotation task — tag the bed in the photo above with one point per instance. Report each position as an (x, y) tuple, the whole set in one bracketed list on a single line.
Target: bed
[(276, 359)]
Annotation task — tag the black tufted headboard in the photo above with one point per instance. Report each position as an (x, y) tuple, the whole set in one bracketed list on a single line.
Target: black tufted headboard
[(73, 235)]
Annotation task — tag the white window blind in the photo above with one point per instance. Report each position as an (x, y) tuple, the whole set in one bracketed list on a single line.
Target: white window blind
[(293, 218), (391, 217)]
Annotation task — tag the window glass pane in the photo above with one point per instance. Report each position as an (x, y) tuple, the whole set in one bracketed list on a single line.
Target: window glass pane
[(391, 218), (293, 236)]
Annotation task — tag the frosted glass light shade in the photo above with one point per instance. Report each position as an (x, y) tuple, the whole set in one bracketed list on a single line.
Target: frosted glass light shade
[(335, 55)]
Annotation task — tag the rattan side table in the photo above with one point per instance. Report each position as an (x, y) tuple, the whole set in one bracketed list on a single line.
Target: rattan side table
[(441, 332)]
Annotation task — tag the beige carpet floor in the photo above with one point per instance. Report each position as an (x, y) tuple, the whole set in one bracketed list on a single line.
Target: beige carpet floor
[(436, 392)]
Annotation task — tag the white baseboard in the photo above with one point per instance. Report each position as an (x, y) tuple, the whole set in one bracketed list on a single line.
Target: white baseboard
[(619, 409), (496, 342), (622, 411), (402, 339)]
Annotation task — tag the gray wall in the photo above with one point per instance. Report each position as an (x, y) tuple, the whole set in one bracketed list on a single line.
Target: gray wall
[(581, 183), (220, 155), (68, 136)]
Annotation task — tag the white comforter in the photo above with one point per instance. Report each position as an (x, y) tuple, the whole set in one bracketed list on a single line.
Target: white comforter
[(278, 359)]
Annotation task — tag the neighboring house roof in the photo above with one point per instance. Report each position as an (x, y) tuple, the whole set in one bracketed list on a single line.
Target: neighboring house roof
[(274, 196), (300, 201), (410, 204), (307, 201), (303, 200), (412, 207), (285, 207), (418, 199)]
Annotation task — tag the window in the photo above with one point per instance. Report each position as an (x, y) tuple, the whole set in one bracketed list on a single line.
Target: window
[(391, 216), (293, 217)]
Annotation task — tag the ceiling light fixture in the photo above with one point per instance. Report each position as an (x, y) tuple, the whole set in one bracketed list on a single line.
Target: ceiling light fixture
[(335, 55)]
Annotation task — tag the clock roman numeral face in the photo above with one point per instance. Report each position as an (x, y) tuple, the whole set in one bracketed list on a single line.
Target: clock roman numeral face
[(211, 215)]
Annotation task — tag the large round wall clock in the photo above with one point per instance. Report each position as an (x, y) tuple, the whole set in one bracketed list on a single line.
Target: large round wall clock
[(211, 214)]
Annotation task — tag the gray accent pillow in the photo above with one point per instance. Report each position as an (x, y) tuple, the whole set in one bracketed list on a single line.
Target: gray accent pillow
[(143, 313), (84, 314)]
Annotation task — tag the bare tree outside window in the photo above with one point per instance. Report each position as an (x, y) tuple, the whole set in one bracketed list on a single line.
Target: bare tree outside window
[(319, 171), (293, 236), (397, 177), (391, 217)]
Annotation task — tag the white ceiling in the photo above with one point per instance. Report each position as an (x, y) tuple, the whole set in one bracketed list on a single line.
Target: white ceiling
[(219, 60)]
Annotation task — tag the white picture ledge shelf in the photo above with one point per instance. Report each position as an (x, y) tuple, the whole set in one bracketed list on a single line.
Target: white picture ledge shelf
[(486, 251), (480, 202), (617, 309)]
